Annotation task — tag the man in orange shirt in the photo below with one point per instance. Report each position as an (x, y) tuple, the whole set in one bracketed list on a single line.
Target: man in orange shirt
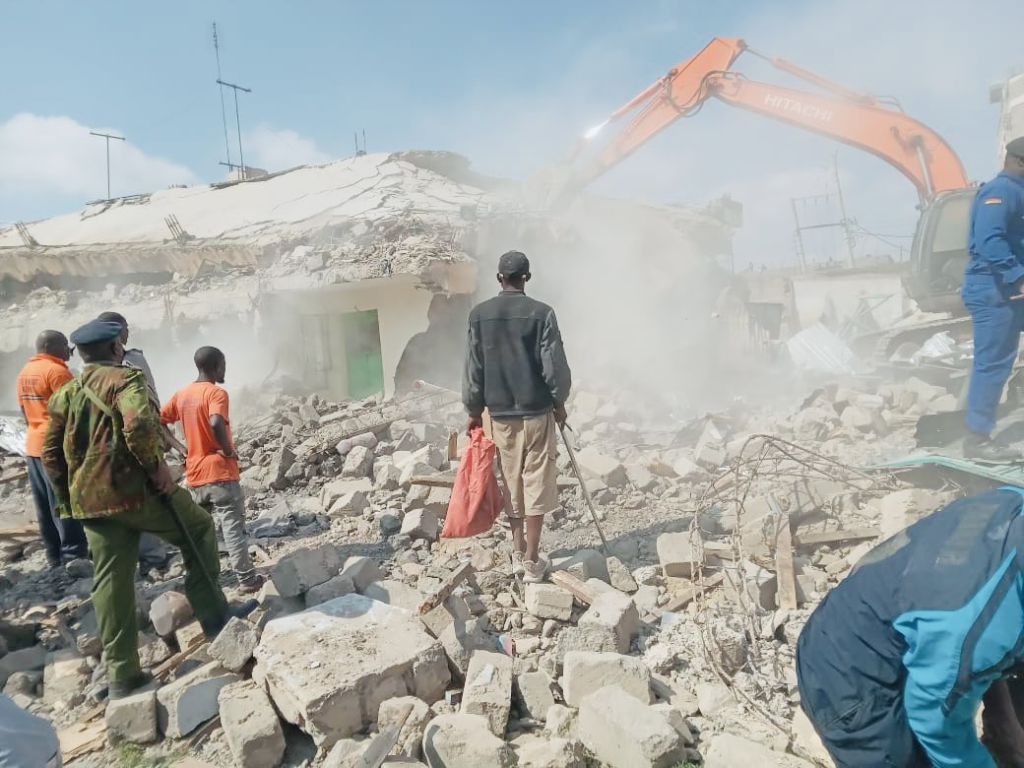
[(211, 466), (45, 373)]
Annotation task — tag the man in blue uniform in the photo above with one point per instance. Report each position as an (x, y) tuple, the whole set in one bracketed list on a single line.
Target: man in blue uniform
[(993, 293), (895, 661)]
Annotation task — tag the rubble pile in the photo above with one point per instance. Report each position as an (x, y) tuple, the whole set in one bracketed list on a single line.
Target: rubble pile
[(675, 647)]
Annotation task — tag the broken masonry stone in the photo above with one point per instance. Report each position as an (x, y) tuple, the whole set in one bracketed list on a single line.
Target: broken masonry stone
[(596, 639), (251, 727), (587, 672), (675, 719), (358, 462), (464, 741), (333, 490), (395, 593), (386, 653), (858, 418), (66, 674), (189, 701), (430, 455), (728, 750), (387, 477), (339, 586), (278, 468), (584, 564), (622, 733), (488, 689), (462, 638), (367, 440), (619, 576), (546, 601), (609, 470), (535, 752), (617, 613), (235, 644), (363, 571), (23, 683), (410, 738), (640, 476), (904, 508), (294, 574), (677, 554), (686, 470), (455, 608), (561, 722), (533, 694), (710, 455), (414, 469), (389, 521), (350, 504), (169, 612), (133, 718), (421, 524), (712, 698)]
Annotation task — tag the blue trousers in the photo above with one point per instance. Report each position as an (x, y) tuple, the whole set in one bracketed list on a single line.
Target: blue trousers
[(63, 539), (998, 323)]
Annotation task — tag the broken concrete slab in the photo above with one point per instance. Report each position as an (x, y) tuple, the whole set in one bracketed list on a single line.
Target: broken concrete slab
[(585, 639), (461, 639), (358, 462), (189, 701), (339, 586), (677, 554), (294, 574), (536, 752), (623, 732), (488, 689), (584, 564), (617, 613), (386, 653), (607, 469), (133, 718), (335, 489), (587, 671), (727, 750), (619, 576), (396, 593), (546, 601), (362, 571), (251, 727), (410, 738), (533, 694), (675, 718), (350, 504), (561, 722), (421, 524), (66, 674), (464, 741), (235, 644)]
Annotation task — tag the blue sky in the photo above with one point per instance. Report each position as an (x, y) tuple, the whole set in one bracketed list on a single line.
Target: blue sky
[(508, 84)]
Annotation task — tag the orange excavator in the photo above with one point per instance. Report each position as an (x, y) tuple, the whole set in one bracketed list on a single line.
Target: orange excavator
[(875, 124)]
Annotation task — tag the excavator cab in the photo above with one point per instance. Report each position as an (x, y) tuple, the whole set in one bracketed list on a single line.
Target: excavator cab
[(939, 252)]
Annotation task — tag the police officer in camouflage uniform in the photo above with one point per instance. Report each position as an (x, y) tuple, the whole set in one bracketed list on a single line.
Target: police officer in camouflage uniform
[(104, 454)]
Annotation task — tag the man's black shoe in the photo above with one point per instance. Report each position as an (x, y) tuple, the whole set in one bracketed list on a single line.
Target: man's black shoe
[(212, 628), (118, 689), (984, 449)]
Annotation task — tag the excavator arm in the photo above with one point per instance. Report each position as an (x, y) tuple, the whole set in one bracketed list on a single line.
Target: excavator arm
[(860, 120)]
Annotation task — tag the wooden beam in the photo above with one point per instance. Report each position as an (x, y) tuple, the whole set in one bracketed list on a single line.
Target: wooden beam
[(21, 531), (445, 588), (570, 583), (835, 537), (784, 569), (434, 481)]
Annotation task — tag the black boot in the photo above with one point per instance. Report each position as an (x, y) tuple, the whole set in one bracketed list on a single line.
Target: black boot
[(212, 628), (983, 448), (118, 689)]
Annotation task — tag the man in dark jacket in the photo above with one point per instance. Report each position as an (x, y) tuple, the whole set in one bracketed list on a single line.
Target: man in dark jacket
[(895, 661), (516, 369)]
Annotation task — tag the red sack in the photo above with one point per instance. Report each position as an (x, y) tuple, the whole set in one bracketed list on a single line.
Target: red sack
[(476, 498)]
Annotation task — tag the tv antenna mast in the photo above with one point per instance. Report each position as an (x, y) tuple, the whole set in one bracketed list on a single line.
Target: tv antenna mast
[(223, 109)]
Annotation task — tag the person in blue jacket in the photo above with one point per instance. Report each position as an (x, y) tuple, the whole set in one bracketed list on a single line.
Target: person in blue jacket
[(893, 664), (993, 292)]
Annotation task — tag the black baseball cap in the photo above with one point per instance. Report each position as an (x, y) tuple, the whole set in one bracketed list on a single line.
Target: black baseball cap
[(513, 264), (1016, 147)]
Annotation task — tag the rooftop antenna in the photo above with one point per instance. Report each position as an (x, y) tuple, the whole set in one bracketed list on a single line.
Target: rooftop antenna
[(223, 110), (108, 137), (355, 135), (238, 123)]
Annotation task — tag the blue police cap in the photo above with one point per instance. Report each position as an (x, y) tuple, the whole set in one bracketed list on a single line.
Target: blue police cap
[(96, 332)]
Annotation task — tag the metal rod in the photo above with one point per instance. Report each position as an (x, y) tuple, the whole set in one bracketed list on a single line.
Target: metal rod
[(187, 539), (107, 137), (842, 211), (238, 122), (583, 487)]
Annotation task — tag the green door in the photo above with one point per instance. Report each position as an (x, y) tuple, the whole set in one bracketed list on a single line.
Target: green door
[(362, 354)]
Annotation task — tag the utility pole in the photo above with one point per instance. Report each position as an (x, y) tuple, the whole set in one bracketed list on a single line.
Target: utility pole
[(238, 122), (107, 137), (842, 211)]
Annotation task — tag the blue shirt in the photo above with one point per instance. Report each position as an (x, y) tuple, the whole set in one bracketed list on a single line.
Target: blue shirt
[(996, 243)]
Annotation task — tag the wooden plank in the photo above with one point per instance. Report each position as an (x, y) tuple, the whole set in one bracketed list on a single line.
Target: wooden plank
[(434, 481), (784, 569), (19, 532), (82, 738), (161, 671), (688, 595), (445, 588), (835, 537), (570, 583)]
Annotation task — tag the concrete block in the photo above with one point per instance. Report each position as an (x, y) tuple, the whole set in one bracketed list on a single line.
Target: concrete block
[(455, 608), (588, 672), (537, 752), (170, 611), (623, 732), (251, 727), (546, 601), (616, 612), (387, 477), (464, 741), (410, 738), (189, 701), (686, 469), (235, 644), (584, 564), (328, 669), (562, 722), (294, 574), (358, 462), (619, 576), (430, 455), (396, 593), (350, 504), (640, 476), (421, 524), (65, 675), (605, 468), (586, 639), (727, 750), (336, 488), (676, 554), (362, 570), (133, 718), (488, 689), (675, 718), (414, 469), (461, 639), (533, 694), (339, 586)]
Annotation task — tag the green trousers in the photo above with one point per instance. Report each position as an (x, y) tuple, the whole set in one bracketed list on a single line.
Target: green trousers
[(114, 542)]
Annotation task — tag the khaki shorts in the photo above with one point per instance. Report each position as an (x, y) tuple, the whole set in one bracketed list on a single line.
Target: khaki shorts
[(527, 451)]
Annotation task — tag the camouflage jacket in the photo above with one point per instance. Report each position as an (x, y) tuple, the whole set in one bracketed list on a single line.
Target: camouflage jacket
[(99, 459)]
